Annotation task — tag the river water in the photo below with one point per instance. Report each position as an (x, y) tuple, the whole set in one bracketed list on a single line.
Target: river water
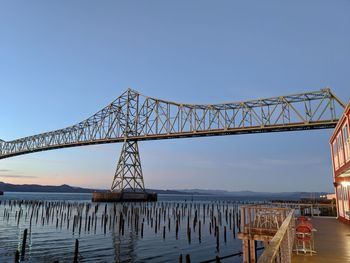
[(112, 232)]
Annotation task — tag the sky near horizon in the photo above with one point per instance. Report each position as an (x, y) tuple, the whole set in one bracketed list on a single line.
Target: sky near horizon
[(62, 61)]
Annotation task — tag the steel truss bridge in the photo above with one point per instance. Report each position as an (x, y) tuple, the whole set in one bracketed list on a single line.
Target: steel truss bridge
[(133, 117)]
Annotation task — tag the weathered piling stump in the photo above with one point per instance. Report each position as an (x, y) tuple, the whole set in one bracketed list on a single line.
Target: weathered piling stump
[(76, 251), (24, 244), (225, 234), (217, 238), (177, 229), (17, 256)]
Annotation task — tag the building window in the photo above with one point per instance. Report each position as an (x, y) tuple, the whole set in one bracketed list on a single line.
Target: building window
[(335, 155), (340, 143), (346, 197), (339, 193), (340, 150), (346, 142)]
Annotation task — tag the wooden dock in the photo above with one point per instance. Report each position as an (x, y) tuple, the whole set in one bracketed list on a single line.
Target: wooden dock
[(273, 226), (332, 242)]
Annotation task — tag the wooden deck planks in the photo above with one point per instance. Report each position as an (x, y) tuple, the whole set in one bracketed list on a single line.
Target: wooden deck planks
[(332, 242)]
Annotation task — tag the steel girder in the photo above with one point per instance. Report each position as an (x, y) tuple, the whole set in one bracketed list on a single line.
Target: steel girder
[(133, 116)]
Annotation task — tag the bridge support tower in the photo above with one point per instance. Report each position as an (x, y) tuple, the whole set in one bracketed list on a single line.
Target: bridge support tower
[(128, 184)]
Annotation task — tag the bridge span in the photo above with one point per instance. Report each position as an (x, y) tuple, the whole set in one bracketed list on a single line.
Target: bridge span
[(134, 117)]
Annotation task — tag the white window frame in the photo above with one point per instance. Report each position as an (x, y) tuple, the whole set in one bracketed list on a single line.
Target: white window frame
[(345, 193), (335, 154), (340, 149), (346, 141)]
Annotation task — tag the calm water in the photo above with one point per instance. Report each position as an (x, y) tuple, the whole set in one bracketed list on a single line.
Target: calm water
[(59, 219)]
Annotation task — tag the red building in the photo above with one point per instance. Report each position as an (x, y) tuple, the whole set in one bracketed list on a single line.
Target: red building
[(340, 147)]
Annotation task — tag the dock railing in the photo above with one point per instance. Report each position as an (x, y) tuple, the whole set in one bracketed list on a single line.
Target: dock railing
[(310, 209), (279, 249), (274, 226)]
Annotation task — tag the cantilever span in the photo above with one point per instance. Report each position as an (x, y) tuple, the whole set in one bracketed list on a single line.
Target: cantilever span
[(133, 116)]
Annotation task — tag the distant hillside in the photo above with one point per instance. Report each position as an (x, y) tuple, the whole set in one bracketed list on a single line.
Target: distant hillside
[(68, 189), (284, 195), (43, 188), (72, 189)]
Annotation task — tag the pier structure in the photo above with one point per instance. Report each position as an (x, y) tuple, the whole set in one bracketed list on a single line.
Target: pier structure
[(309, 209), (133, 117), (273, 226), (340, 149)]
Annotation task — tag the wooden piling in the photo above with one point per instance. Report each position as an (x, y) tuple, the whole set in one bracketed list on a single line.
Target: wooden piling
[(123, 227), (177, 229), (17, 256), (225, 234), (24, 244), (76, 251), (217, 239), (252, 250), (89, 224)]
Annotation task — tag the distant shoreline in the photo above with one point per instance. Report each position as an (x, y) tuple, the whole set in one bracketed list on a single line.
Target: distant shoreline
[(66, 189), (35, 188)]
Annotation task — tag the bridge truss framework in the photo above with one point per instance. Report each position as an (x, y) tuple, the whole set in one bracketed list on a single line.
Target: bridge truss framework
[(133, 117)]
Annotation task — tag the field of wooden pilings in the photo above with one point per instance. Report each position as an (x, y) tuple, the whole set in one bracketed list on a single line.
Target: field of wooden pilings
[(190, 221)]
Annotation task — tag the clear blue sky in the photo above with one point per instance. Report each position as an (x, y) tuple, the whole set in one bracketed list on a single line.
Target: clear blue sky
[(61, 61)]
